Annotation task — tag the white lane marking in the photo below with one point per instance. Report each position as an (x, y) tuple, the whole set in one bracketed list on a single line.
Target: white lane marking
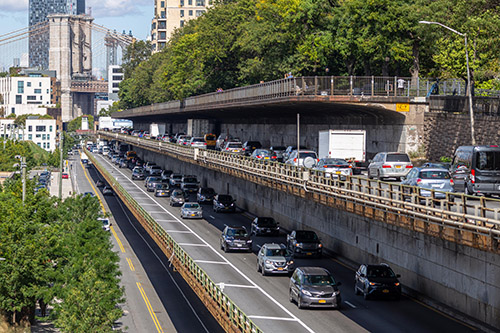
[(179, 231), (211, 262), (156, 212), (147, 204), (212, 217), (259, 246), (350, 304), (192, 244), (236, 285), (265, 293), (164, 267), (167, 221), (272, 318)]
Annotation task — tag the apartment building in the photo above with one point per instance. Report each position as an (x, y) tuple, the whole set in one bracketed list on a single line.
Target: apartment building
[(172, 14), (24, 95), (41, 131), (115, 76)]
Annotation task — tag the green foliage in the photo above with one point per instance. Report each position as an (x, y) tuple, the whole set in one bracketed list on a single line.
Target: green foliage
[(35, 156), (445, 159), (134, 54), (76, 123)]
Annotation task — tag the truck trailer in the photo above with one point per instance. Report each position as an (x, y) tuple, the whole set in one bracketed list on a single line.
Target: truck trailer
[(349, 145)]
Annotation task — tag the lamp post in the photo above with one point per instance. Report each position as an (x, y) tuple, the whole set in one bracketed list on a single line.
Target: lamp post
[(471, 111), (23, 174)]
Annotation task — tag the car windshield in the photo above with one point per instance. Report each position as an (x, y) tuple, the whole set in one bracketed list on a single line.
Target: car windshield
[(276, 252), (207, 191), (302, 236), (397, 158), (237, 232), (153, 179), (139, 170), (333, 163), (434, 174), (190, 180), (177, 177), (198, 140), (225, 198), (262, 153), (234, 145), (192, 206), (210, 137), (161, 186), (380, 272), (319, 280), (178, 194), (276, 148), (266, 222), (155, 167), (488, 160)]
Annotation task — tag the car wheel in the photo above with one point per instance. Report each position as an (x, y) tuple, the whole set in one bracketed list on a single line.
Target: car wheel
[(369, 175), (290, 297), (379, 177), (356, 290), (263, 271), (225, 247), (300, 305), (258, 267), (466, 190), (365, 295)]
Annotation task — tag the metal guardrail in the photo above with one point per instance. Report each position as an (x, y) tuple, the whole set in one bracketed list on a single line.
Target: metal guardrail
[(374, 194), (229, 315)]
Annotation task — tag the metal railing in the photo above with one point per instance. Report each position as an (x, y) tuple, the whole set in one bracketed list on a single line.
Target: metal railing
[(457, 211), (229, 315)]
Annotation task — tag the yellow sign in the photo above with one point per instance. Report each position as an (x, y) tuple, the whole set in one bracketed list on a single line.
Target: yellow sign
[(403, 107)]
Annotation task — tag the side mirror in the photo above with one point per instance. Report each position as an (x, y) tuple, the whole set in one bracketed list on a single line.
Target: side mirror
[(369, 161), (398, 275), (403, 178)]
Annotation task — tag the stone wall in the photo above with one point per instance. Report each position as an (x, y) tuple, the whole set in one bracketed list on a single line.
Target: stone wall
[(444, 132)]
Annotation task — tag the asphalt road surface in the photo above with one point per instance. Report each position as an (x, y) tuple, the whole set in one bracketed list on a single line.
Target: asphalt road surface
[(265, 299)]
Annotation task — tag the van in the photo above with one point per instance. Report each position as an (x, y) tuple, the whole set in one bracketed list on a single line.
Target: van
[(476, 169), (211, 140)]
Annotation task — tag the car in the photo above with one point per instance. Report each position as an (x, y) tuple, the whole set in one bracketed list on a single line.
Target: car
[(65, 175), (235, 238), (148, 166), (314, 287), (106, 224), (107, 190), (89, 194), (304, 242), (123, 163), (138, 173), (189, 184), (183, 140), (334, 168), (165, 174), (99, 183), (233, 147), (191, 210), (155, 170), (224, 203), (377, 280), (211, 140), (264, 155), (175, 179), (389, 165), (205, 195), (303, 158), (177, 197), (279, 150), (274, 259), (152, 182), (250, 146), (443, 165), (162, 190), (426, 179), (289, 150), (265, 226), (146, 180), (197, 142)]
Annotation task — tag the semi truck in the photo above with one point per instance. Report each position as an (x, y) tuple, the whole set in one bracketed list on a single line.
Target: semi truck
[(349, 145)]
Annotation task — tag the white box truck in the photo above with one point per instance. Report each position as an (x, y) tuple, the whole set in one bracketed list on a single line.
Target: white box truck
[(156, 129), (349, 145)]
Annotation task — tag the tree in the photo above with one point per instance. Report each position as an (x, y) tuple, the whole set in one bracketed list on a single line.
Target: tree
[(134, 54)]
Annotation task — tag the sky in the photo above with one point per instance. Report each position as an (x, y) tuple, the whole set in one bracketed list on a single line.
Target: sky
[(119, 15)]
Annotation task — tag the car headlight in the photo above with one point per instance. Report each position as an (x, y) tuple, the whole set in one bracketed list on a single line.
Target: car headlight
[(372, 283), (320, 246), (396, 284), (290, 262), (232, 204), (249, 241), (268, 262), (336, 293), (306, 292)]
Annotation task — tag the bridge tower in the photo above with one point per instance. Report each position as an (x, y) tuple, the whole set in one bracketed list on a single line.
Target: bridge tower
[(70, 55)]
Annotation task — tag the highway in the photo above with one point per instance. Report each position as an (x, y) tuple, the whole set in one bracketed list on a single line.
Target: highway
[(265, 299), (157, 299)]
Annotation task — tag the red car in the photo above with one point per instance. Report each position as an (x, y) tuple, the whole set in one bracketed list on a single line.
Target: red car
[(65, 175)]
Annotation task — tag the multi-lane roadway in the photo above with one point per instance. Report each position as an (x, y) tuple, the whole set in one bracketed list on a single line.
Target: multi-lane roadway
[(265, 299)]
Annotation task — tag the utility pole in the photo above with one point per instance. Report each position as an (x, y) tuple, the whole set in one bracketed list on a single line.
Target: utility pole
[(61, 162), (298, 139), (23, 166)]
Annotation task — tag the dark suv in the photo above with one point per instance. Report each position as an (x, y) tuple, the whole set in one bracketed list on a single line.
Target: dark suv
[(265, 226), (378, 280), (235, 238), (314, 287), (250, 146), (304, 242), (224, 203), (205, 194)]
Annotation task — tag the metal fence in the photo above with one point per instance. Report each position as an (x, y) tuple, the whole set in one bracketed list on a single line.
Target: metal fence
[(457, 211), (229, 315)]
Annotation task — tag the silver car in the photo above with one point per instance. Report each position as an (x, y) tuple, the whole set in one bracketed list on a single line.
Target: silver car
[(303, 158), (427, 179), (389, 165), (274, 259), (177, 198), (314, 287), (197, 142), (191, 210), (175, 179), (233, 147), (334, 168)]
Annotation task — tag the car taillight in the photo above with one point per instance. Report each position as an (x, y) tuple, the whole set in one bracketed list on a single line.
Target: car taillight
[(325, 166), (419, 180), (452, 182), (273, 157), (204, 143), (409, 166), (386, 166), (244, 149), (192, 143), (227, 148), (295, 159), (494, 146), (473, 176), (258, 156)]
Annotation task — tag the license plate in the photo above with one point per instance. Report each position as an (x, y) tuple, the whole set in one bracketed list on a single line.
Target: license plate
[(268, 231), (280, 268), (385, 291), (309, 253), (266, 158), (236, 150), (322, 301), (398, 166), (238, 245), (193, 214), (338, 172)]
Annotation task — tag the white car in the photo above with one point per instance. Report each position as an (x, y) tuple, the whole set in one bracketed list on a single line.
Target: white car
[(106, 224), (303, 158), (334, 168)]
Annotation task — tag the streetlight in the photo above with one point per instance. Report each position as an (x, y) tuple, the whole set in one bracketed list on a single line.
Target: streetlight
[(471, 112), (23, 168)]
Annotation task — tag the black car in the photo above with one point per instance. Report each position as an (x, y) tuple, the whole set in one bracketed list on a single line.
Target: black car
[(377, 280), (99, 183), (265, 226), (107, 190), (235, 238), (250, 146), (224, 203), (205, 194), (304, 242)]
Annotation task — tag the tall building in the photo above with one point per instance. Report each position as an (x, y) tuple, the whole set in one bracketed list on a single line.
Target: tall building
[(172, 14), (39, 37)]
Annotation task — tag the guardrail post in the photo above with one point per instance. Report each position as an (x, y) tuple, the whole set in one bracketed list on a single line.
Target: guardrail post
[(331, 84), (350, 86), (373, 86), (315, 85)]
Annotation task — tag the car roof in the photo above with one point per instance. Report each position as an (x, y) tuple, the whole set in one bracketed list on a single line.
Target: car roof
[(274, 246), (236, 227), (432, 169), (314, 270)]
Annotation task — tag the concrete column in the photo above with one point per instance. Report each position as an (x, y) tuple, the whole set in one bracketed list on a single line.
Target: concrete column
[(198, 127)]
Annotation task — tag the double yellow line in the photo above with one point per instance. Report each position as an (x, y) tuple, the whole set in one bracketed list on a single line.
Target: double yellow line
[(131, 266)]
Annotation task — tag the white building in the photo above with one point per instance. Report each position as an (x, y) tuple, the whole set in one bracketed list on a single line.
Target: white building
[(42, 132), (25, 95), (115, 76)]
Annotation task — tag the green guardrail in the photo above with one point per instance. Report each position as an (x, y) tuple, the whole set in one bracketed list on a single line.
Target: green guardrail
[(229, 315)]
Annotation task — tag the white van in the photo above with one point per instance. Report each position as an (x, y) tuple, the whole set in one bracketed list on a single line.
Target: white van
[(105, 150)]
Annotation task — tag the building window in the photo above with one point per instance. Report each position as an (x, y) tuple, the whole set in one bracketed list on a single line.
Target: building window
[(20, 87), (19, 100), (39, 84), (199, 13), (48, 136), (13, 111), (50, 128), (200, 2), (182, 23), (41, 128), (38, 91), (30, 137), (20, 136), (30, 128), (44, 145), (48, 145), (190, 13), (190, 2), (162, 25), (39, 144), (28, 84), (163, 15), (38, 136), (44, 137), (182, 3), (163, 35), (153, 26), (162, 4), (182, 12), (31, 98)]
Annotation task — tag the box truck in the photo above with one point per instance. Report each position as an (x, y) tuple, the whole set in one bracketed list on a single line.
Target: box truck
[(156, 129), (349, 145)]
